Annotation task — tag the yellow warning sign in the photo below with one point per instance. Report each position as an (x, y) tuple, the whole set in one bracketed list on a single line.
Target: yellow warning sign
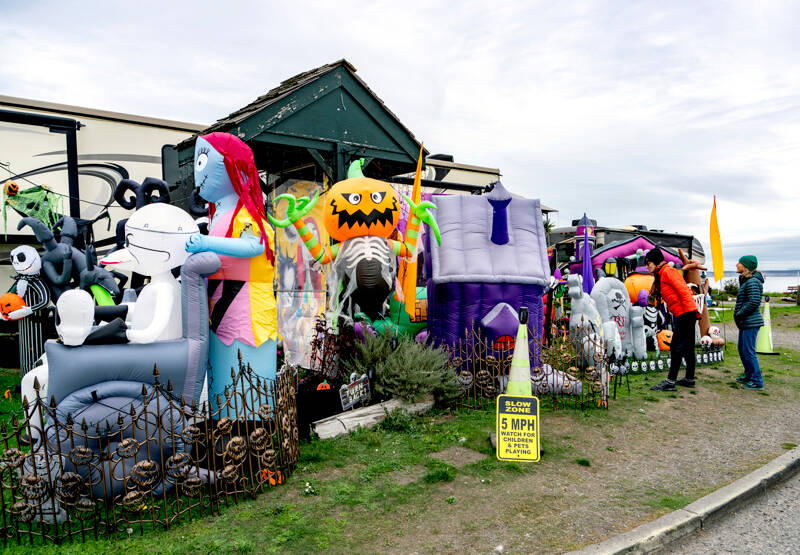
[(517, 428)]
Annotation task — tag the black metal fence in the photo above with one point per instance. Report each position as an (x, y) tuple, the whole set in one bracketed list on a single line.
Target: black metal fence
[(162, 462), (569, 371), (577, 370)]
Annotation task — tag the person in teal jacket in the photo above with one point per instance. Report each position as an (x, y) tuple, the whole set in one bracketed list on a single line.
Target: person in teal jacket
[(747, 315)]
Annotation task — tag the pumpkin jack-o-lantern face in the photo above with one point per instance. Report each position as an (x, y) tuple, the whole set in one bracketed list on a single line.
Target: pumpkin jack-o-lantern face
[(361, 206), (9, 303)]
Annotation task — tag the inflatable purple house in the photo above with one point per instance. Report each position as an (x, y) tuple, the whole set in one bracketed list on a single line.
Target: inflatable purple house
[(492, 261)]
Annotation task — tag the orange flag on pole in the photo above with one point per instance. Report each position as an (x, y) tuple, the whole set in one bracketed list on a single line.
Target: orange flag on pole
[(408, 268), (716, 244)]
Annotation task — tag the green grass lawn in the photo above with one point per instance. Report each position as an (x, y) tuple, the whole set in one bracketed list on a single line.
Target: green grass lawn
[(10, 401), (723, 312), (346, 492)]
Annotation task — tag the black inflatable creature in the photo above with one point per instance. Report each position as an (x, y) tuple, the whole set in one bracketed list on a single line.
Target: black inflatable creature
[(149, 191), (64, 266)]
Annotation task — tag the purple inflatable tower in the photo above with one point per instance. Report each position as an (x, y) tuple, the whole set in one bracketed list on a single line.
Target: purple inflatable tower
[(492, 261)]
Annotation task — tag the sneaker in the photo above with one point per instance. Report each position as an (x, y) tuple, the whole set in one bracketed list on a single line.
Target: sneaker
[(751, 385), (666, 385), (685, 383), (742, 379)]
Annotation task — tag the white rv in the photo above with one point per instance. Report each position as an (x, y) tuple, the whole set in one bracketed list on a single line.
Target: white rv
[(42, 143)]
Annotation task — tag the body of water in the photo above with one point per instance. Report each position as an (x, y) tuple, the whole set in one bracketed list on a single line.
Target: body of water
[(774, 282)]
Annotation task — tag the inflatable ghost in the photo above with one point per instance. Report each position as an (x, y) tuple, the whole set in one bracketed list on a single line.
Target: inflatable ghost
[(584, 321), (638, 338), (155, 237), (243, 311), (584, 313), (362, 214)]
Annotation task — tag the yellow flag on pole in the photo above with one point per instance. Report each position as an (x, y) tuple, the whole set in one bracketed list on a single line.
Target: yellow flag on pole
[(716, 244), (408, 268)]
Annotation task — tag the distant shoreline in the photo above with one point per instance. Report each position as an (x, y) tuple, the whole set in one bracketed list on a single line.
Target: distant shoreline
[(790, 273)]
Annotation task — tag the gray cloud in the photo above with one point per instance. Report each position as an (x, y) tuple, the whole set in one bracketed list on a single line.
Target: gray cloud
[(633, 112)]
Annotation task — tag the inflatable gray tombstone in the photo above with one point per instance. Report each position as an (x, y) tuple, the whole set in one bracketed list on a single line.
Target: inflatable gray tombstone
[(100, 385), (638, 333), (614, 305)]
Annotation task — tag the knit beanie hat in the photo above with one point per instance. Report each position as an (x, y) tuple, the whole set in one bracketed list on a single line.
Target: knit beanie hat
[(749, 261), (655, 256)]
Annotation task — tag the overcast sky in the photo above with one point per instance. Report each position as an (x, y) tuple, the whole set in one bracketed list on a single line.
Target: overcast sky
[(634, 112)]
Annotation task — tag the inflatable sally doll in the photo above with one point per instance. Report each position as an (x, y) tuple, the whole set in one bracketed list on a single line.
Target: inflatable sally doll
[(243, 315)]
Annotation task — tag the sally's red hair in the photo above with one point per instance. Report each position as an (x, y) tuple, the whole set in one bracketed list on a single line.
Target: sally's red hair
[(241, 168)]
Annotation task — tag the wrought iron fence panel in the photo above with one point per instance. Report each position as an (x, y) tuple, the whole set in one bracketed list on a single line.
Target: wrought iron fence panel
[(154, 463), (568, 371)]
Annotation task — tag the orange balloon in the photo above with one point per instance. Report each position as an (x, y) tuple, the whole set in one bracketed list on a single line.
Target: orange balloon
[(635, 283), (9, 303)]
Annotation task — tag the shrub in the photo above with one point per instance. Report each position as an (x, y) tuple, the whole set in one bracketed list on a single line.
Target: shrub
[(414, 371), (411, 371), (730, 286), (371, 353)]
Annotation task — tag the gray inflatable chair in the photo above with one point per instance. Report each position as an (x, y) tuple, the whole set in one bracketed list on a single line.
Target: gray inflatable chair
[(98, 386)]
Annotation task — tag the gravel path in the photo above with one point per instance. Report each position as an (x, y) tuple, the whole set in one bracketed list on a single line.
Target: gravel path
[(769, 525)]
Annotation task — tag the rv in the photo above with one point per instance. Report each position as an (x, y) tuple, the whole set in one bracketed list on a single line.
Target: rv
[(563, 240), (79, 155)]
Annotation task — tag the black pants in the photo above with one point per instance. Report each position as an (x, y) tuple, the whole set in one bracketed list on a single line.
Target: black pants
[(682, 346)]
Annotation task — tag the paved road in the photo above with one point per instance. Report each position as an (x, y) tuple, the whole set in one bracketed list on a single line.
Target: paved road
[(769, 525)]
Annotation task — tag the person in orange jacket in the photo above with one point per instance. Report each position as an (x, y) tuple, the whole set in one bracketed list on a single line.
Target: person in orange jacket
[(670, 286)]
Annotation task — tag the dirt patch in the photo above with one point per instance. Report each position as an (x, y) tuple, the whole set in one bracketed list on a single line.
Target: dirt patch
[(458, 456), (643, 461), (443, 418), (408, 475), (334, 473)]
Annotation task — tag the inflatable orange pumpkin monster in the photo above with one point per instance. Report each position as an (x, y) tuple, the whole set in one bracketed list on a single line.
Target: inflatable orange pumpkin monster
[(9, 303), (361, 214), (361, 206)]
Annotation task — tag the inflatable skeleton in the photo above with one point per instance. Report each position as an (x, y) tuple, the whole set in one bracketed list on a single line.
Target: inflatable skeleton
[(28, 283)]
